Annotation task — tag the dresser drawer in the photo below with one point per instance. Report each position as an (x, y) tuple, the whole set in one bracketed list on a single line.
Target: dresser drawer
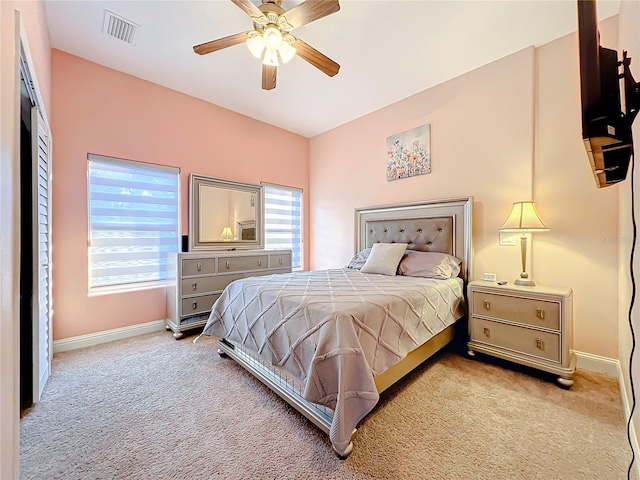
[(520, 339), (200, 304), (198, 266), (280, 261), (196, 285), (238, 264), (529, 311)]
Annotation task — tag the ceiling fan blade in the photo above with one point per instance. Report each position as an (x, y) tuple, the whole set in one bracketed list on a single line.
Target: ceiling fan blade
[(310, 10), (315, 58), (249, 8), (268, 77), (220, 43)]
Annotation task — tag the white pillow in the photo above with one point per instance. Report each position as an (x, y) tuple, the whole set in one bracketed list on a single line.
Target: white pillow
[(384, 258)]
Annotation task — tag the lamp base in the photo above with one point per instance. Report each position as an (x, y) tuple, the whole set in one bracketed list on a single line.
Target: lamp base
[(525, 282)]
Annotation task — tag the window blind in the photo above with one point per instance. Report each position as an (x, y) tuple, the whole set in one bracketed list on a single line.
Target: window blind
[(283, 220), (134, 220)]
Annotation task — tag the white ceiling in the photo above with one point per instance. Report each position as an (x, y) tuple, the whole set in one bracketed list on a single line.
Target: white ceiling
[(387, 50)]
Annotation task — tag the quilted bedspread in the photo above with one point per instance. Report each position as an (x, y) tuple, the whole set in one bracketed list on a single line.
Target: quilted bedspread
[(335, 330)]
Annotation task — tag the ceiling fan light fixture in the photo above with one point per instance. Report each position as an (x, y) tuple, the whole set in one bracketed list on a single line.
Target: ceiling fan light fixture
[(284, 25), (270, 58), (255, 44), (272, 38), (287, 52), (271, 41)]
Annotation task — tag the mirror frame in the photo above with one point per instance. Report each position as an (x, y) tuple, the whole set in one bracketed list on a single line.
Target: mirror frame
[(195, 182)]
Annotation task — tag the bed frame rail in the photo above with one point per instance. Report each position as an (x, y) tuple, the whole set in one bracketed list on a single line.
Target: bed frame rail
[(283, 386)]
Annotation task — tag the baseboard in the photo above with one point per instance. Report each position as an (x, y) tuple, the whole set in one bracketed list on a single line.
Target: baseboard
[(627, 411), (82, 341), (596, 363)]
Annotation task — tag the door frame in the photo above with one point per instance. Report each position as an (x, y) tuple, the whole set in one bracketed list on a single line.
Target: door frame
[(28, 73), (14, 40)]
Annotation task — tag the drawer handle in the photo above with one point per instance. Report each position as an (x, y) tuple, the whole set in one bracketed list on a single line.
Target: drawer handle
[(280, 260), (487, 332), (194, 287), (228, 264), (540, 313), (259, 262), (540, 343), (487, 304), (199, 266), (195, 305)]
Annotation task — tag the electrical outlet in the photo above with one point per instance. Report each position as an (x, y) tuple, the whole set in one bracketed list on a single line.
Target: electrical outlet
[(508, 239), (489, 277)]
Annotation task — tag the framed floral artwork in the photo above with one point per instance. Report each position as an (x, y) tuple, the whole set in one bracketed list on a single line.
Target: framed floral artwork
[(409, 153)]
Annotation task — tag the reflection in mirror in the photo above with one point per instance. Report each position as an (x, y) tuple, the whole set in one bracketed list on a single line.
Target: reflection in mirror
[(224, 214), (231, 207), (246, 230)]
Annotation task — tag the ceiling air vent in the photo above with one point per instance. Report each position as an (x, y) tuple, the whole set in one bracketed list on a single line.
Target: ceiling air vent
[(120, 28)]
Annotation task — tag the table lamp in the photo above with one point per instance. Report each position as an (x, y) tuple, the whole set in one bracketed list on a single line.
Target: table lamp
[(524, 219), (226, 233)]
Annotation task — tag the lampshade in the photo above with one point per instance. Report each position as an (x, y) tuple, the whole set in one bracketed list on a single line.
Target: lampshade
[(226, 233), (272, 38), (270, 57), (287, 52), (524, 218), (255, 45)]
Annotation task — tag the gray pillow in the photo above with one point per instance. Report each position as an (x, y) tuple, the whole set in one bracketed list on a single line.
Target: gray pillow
[(358, 260), (429, 265), (384, 258)]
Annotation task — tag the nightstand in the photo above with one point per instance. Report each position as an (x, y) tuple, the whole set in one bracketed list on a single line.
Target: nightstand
[(531, 326)]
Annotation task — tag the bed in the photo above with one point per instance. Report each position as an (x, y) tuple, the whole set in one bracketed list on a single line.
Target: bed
[(330, 341)]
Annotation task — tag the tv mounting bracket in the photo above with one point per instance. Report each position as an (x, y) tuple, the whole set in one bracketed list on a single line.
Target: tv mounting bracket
[(631, 89)]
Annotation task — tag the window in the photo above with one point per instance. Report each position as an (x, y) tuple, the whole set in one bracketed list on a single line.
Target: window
[(283, 220), (134, 221)]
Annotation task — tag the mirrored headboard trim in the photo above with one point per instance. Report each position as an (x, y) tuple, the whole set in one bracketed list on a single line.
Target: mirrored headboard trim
[(196, 181)]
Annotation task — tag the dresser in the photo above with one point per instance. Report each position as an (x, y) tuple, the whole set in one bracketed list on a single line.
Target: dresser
[(531, 326), (197, 279)]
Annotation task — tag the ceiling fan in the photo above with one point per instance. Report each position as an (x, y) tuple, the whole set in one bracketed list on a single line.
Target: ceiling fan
[(271, 39)]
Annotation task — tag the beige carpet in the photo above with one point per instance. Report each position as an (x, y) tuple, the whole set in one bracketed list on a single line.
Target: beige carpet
[(151, 407)]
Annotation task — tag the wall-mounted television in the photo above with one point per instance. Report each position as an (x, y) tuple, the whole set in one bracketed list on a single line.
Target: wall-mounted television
[(607, 115)]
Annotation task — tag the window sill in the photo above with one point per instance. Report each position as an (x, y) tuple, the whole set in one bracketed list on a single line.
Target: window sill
[(133, 287)]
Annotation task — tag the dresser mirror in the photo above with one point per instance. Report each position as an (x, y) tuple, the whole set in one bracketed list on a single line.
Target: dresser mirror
[(224, 214)]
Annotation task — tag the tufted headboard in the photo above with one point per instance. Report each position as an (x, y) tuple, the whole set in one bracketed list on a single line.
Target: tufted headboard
[(430, 226)]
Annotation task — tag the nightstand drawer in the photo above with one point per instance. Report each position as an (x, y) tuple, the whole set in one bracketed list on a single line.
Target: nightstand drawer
[(529, 311), (519, 339), (237, 264), (200, 304), (198, 266), (195, 285)]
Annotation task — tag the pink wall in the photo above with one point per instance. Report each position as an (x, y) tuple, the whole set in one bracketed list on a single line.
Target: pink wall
[(481, 145), (505, 132), (98, 110), (629, 39), (581, 250)]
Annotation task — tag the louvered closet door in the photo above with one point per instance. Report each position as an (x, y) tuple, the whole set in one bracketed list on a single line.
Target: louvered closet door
[(41, 300)]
